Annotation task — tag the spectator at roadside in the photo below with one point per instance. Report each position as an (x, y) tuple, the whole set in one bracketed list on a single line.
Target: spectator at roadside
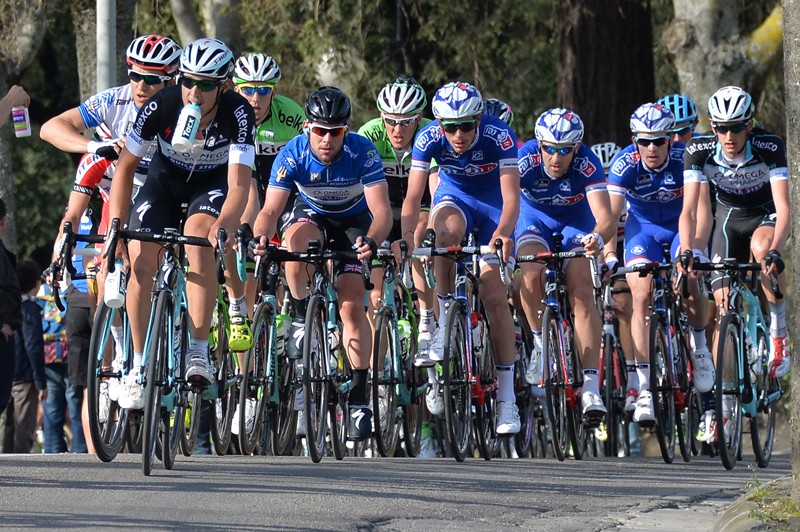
[(29, 386), (10, 313)]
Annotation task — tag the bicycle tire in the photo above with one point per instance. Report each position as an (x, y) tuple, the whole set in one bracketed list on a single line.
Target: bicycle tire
[(457, 389), (661, 388), (386, 377), (223, 405), (609, 387), (315, 378), (155, 372), (727, 386), (485, 418), (337, 408), (257, 378), (108, 437), (683, 392), (189, 427), (577, 429), (413, 410), (524, 396), (555, 383), (762, 426), (134, 432)]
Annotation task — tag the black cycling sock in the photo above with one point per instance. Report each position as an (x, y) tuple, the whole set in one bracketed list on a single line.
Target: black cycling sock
[(358, 392), (299, 308)]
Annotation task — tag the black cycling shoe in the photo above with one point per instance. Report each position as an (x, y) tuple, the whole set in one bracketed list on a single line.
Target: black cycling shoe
[(359, 426), (294, 340)]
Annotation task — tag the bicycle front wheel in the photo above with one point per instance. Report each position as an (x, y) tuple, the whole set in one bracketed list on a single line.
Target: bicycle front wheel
[(555, 383), (224, 403), (457, 387), (257, 379), (107, 420), (727, 392), (661, 388), (486, 410), (315, 378), (684, 413), (762, 425), (155, 379), (386, 376), (522, 390)]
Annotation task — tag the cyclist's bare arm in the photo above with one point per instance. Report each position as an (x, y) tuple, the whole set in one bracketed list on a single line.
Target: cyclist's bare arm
[(693, 196), (253, 203), (783, 218), (377, 197), (267, 219), (239, 178), (509, 188), (704, 217), (409, 214), (605, 222), (121, 192), (64, 132)]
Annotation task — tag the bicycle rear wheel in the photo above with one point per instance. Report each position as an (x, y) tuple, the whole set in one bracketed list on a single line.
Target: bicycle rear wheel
[(522, 391), (415, 381), (613, 389), (457, 386), (762, 425), (155, 378), (684, 413), (187, 425), (315, 378), (224, 404), (727, 391), (337, 406), (386, 377), (486, 412), (578, 431), (661, 388), (107, 421), (257, 379), (555, 383)]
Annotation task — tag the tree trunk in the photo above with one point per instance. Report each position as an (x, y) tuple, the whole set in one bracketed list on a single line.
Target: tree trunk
[(186, 20), (222, 22), (126, 12), (84, 21), (791, 43), (709, 51), (22, 28), (595, 78)]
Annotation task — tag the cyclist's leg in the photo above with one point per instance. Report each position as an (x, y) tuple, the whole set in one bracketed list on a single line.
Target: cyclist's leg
[(427, 320)]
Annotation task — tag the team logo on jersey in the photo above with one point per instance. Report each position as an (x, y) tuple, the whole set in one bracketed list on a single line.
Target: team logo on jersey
[(315, 176), (281, 174), (637, 250), (214, 195), (476, 169), (506, 142), (142, 209), (644, 179), (564, 186), (669, 179), (543, 183), (664, 195), (211, 141), (565, 200), (477, 155), (585, 166)]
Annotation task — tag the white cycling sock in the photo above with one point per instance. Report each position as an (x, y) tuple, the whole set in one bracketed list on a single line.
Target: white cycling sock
[(590, 381), (444, 301), (116, 334), (237, 306), (643, 371), (198, 345), (633, 377), (137, 361), (427, 322), (505, 383), (698, 339), (777, 320)]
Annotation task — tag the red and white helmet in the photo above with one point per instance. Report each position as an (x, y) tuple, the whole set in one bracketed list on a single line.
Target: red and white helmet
[(154, 52)]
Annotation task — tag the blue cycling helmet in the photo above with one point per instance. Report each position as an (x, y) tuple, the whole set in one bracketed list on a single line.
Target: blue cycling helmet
[(500, 109), (559, 126), (652, 118), (457, 101), (681, 106)]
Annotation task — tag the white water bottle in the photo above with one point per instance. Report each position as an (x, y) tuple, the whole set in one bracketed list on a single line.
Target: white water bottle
[(116, 283), (186, 129)]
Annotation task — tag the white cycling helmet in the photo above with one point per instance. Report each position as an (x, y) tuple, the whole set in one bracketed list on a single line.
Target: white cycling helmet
[(154, 52), (500, 109), (404, 96), (559, 126), (209, 58), (457, 101), (652, 118), (260, 68), (730, 104), (606, 151)]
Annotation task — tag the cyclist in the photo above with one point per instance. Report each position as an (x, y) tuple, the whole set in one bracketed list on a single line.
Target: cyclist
[(564, 190), (750, 174), (650, 181), (685, 113), (342, 197), (479, 187), (212, 179), (401, 104), (278, 120)]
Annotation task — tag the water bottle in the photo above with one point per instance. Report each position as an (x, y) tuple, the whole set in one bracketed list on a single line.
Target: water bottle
[(404, 330), (186, 129), (281, 323), (116, 282), (477, 331)]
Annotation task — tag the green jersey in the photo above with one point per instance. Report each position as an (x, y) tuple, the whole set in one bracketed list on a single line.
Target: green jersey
[(396, 163), (283, 123)]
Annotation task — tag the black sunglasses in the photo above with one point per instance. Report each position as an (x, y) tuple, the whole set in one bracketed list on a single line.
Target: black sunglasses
[(658, 141), (466, 126), (205, 85), (149, 79), (683, 131), (735, 128)]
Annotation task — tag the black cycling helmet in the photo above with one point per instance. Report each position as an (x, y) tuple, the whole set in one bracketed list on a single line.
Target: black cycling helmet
[(328, 105)]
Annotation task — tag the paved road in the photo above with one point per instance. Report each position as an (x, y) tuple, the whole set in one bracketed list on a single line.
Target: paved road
[(291, 493)]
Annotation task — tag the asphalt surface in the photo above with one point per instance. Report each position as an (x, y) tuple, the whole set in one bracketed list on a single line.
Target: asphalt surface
[(292, 493)]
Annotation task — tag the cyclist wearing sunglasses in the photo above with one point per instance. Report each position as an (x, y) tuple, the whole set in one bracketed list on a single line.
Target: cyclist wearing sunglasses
[(564, 191), (650, 181), (401, 104), (749, 170), (341, 199), (478, 188), (213, 179)]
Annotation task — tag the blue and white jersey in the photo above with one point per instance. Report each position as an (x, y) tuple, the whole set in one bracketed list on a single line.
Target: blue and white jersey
[(564, 196), (113, 113), (336, 189), (478, 168), (654, 196)]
